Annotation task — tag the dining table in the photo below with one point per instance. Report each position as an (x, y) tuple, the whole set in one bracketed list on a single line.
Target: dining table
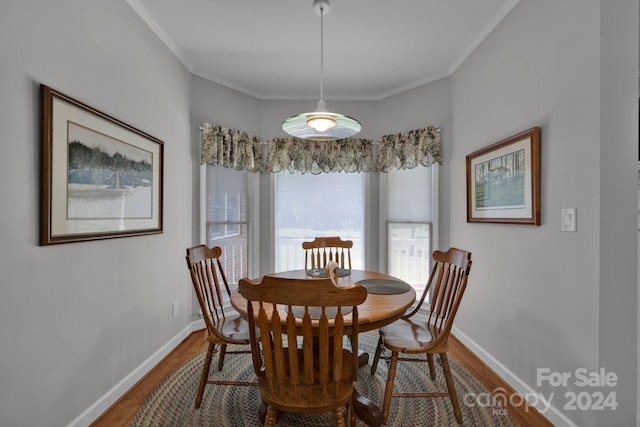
[(388, 298)]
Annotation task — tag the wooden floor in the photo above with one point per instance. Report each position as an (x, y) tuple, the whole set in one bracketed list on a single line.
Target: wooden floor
[(123, 411)]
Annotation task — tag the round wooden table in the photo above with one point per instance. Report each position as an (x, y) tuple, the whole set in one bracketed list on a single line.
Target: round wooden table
[(376, 311)]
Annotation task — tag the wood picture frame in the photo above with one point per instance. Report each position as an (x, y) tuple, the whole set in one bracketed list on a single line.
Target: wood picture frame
[(503, 181), (101, 178)]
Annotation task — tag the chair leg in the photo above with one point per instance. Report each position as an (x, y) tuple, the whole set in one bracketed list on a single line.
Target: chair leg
[(205, 374), (376, 358), (388, 391), (451, 387), (351, 414), (339, 416), (262, 412), (270, 419), (432, 366), (223, 351)]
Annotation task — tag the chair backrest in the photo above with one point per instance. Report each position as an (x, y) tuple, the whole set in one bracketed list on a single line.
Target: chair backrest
[(209, 281), (324, 249), (299, 320), (447, 282)]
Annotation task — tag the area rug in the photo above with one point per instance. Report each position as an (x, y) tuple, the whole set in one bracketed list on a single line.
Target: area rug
[(172, 403)]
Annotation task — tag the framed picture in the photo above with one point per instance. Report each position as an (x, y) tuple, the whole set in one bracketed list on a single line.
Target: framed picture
[(503, 181), (101, 178)]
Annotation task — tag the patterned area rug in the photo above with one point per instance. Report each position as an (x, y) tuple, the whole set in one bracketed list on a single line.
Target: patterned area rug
[(172, 403)]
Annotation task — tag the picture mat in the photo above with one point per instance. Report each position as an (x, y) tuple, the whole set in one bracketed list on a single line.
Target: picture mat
[(61, 225)]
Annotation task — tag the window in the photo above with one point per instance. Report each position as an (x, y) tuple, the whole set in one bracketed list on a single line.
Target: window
[(409, 252), (226, 213), (307, 206), (227, 220), (393, 227), (410, 216)]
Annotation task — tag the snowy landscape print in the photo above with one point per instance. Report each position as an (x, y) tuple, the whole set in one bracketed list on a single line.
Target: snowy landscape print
[(107, 178)]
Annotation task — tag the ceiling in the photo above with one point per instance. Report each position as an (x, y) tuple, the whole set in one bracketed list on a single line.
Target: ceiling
[(372, 48)]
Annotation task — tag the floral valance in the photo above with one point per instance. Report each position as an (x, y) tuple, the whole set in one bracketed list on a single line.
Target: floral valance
[(242, 151), (408, 150), (230, 148), (315, 157)]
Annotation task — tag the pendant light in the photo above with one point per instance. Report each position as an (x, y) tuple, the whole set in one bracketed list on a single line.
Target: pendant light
[(321, 125)]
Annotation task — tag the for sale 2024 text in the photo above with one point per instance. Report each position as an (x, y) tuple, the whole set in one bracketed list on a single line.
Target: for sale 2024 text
[(587, 399)]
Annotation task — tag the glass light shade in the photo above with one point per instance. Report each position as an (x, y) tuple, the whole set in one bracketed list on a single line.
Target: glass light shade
[(321, 125), (299, 126)]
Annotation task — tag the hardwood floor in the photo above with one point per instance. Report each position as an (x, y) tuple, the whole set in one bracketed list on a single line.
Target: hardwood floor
[(123, 411), (523, 415)]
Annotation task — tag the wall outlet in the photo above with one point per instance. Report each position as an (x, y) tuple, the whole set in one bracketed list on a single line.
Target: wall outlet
[(175, 308)]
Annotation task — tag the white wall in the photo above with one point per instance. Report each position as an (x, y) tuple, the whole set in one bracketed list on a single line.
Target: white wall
[(538, 297), (618, 333), (219, 105), (77, 318)]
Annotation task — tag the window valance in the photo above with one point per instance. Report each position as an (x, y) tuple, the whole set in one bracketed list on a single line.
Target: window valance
[(408, 150), (242, 151), (315, 157), (230, 148)]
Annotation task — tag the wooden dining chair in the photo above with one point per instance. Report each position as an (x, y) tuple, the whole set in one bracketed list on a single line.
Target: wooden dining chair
[(321, 250), (300, 361), (415, 335), (223, 327)]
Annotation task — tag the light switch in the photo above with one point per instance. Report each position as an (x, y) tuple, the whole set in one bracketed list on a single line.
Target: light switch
[(568, 219)]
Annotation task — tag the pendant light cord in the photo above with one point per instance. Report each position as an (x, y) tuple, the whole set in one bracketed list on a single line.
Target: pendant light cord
[(321, 124), (322, 52)]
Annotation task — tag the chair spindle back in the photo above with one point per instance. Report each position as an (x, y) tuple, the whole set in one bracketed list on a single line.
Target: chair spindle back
[(300, 360), (450, 270), (324, 249), (207, 275), (446, 284)]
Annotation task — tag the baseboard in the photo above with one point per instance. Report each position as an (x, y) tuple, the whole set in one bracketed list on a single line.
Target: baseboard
[(109, 398), (552, 413)]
